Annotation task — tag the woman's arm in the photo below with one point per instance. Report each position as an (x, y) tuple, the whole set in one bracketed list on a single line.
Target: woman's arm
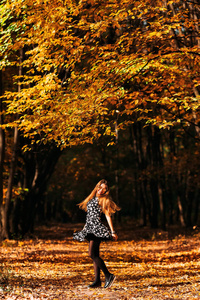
[(110, 223)]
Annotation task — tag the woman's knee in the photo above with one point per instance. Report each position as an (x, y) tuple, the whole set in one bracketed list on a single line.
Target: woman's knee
[(92, 255), (94, 249)]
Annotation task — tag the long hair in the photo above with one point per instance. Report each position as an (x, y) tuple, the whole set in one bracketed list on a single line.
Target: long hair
[(105, 201)]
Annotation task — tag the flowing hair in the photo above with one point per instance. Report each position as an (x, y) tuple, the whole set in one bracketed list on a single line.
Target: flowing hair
[(105, 201)]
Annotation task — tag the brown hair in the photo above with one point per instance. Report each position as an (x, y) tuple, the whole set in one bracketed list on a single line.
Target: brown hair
[(105, 201)]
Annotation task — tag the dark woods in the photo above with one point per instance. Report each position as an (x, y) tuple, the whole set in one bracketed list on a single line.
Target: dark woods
[(153, 174), (157, 182)]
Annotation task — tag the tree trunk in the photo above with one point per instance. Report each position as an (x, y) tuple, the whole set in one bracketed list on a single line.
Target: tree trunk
[(190, 201), (39, 168), (6, 209), (170, 183), (180, 207), (139, 166), (2, 151), (153, 161), (196, 206), (162, 207), (117, 215), (7, 205)]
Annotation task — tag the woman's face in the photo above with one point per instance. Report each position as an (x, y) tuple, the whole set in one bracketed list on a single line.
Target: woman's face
[(102, 189)]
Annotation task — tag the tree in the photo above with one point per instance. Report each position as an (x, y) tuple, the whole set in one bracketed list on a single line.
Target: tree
[(87, 60), (87, 63), (23, 176)]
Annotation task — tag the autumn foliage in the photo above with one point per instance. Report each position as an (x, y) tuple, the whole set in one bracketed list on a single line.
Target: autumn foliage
[(76, 72), (86, 62)]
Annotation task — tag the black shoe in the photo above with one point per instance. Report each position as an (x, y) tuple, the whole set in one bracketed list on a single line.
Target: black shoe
[(109, 281), (95, 284)]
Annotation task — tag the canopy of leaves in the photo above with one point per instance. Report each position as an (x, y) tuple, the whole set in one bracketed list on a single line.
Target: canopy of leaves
[(87, 63)]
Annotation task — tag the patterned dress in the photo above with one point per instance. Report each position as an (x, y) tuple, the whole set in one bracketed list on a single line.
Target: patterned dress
[(93, 227)]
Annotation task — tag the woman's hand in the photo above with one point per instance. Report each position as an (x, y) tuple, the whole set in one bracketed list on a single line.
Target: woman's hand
[(114, 236)]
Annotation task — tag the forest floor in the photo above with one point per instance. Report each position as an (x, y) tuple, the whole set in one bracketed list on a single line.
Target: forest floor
[(148, 264)]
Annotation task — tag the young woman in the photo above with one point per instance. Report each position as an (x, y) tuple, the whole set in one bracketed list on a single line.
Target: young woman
[(94, 231)]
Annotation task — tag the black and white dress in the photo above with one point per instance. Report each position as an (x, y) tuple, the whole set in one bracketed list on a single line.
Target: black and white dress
[(93, 227)]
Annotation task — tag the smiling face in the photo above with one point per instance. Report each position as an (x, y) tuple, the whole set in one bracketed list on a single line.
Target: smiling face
[(102, 189)]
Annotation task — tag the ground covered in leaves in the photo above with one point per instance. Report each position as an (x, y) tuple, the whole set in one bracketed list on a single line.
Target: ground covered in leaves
[(148, 265)]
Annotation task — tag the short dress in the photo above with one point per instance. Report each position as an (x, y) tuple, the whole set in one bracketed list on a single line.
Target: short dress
[(93, 229)]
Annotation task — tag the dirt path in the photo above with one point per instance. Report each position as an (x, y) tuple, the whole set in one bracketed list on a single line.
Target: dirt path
[(49, 268)]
